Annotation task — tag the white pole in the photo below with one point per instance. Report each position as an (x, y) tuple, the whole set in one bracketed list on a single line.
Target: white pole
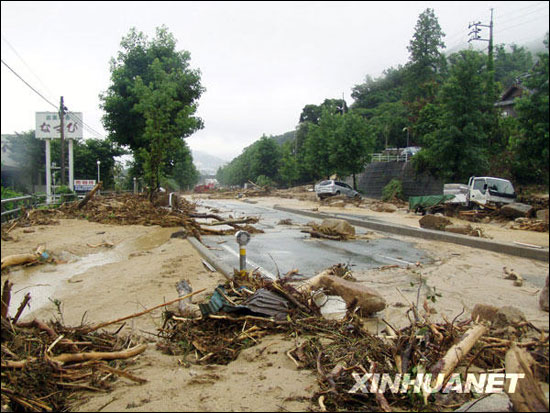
[(71, 166), (48, 173)]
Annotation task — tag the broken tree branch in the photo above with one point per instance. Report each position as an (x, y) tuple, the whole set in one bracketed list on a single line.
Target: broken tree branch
[(457, 352), (80, 357), (90, 195)]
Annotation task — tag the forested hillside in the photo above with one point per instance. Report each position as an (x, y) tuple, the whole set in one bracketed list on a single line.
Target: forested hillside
[(444, 104)]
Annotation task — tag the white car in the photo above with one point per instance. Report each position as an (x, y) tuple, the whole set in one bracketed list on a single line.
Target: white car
[(331, 187)]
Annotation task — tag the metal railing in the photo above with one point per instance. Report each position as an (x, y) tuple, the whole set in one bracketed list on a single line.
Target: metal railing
[(382, 157), (16, 205)]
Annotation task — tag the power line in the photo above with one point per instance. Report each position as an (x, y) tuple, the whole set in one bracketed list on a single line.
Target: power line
[(501, 30), (516, 12), (85, 125), (26, 65), (82, 124), (25, 82)]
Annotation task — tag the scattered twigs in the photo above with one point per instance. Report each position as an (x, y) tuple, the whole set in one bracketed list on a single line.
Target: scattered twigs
[(118, 320), (122, 373)]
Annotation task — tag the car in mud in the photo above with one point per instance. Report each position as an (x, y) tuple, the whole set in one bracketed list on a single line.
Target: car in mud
[(331, 187)]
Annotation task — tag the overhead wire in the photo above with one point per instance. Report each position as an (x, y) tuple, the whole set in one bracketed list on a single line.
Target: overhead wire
[(26, 65), (78, 119), (26, 83)]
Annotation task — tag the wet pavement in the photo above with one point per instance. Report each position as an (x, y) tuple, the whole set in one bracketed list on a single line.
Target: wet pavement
[(283, 248)]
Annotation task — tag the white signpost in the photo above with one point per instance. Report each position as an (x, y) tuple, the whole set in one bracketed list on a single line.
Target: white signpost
[(48, 126)]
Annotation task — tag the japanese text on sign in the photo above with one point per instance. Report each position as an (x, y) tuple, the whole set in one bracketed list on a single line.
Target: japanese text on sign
[(84, 184), (48, 125)]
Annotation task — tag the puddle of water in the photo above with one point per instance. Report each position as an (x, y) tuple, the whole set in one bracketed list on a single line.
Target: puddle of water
[(44, 280)]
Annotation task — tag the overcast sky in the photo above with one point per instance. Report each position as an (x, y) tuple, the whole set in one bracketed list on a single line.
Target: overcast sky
[(261, 62)]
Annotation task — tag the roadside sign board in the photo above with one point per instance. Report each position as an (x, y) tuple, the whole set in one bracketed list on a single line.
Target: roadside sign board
[(84, 184), (48, 125)]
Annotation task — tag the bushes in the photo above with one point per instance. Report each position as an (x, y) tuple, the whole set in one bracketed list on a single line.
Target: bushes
[(393, 190)]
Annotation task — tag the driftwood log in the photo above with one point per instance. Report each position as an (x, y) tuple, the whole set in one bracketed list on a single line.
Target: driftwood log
[(18, 259), (527, 396), (353, 293), (90, 195), (457, 352), (81, 357)]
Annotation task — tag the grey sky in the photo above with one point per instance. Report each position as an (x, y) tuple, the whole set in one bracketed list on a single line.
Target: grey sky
[(261, 62)]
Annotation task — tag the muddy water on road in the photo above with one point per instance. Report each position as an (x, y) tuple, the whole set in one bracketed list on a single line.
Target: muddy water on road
[(44, 281)]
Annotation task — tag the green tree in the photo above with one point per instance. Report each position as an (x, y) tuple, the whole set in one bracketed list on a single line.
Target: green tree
[(288, 171), (350, 150), (86, 155), (266, 158), (152, 100), (511, 66), (319, 142), (427, 65), (385, 89), (184, 173), (532, 110), (457, 148)]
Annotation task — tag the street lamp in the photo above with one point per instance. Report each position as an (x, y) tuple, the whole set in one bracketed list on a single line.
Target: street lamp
[(98, 163)]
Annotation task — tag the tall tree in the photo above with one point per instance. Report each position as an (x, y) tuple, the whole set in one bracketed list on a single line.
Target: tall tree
[(373, 92), (426, 62), (350, 150), (288, 170), (152, 86), (266, 158), (532, 145), (458, 147)]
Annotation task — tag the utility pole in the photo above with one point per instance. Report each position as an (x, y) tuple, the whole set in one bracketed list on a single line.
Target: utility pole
[(490, 60), (491, 89), (62, 131)]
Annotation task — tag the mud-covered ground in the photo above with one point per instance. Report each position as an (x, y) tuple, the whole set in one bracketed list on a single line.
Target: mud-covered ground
[(97, 283)]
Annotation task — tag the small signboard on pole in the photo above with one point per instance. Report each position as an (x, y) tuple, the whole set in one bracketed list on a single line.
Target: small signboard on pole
[(84, 185)]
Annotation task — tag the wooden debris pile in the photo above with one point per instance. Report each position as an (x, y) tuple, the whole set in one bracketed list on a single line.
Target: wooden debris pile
[(235, 223), (46, 366), (128, 209), (340, 351), (334, 229), (530, 224)]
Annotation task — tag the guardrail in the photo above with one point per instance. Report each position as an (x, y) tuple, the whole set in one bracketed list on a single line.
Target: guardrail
[(17, 204), (26, 201), (382, 157)]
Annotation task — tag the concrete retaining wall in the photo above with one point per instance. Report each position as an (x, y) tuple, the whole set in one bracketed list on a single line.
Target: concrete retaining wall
[(378, 175)]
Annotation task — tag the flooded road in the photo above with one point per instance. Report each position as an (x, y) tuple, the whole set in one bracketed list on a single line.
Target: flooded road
[(282, 248)]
